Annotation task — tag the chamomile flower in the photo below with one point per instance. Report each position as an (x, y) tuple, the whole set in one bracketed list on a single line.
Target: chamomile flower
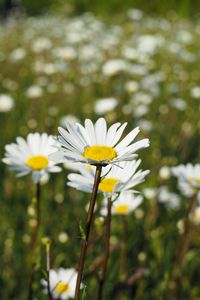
[(115, 179), (126, 203), (31, 156), (94, 144), (188, 178), (62, 283)]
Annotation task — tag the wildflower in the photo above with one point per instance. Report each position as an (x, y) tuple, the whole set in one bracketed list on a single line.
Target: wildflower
[(6, 103), (62, 283), (114, 180), (105, 105), (126, 203), (95, 145), (188, 178), (31, 156)]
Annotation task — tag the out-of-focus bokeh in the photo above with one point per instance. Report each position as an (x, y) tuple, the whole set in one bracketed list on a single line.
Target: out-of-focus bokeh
[(134, 61)]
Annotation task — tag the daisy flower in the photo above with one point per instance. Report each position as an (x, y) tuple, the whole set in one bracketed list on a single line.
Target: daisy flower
[(126, 203), (62, 283), (31, 156), (116, 178), (96, 145), (188, 178)]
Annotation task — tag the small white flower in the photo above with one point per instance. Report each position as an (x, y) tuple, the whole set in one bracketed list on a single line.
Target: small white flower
[(34, 91), (125, 204), (165, 172), (188, 178), (94, 144), (170, 200), (6, 103), (115, 66), (31, 156), (105, 105), (195, 92), (18, 54), (62, 283)]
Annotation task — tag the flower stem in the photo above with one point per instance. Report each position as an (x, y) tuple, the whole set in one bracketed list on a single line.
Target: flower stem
[(35, 240), (107, 250), (183, 245), (87, 230)]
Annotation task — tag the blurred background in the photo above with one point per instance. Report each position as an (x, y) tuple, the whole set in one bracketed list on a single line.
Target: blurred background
[(134, 61)]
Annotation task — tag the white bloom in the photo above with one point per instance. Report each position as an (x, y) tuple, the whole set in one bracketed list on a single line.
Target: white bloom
[(115, 66), (68, 119), (115, 179), (41, 44), (34, 91), (149, 193), (105, 105), (62, 283), (135, 14), (178, 103), (195, 92), (6, 103), (31, 156), (125, 204), (63, 237), (171, 200), (188, 178), (94, 144), (67, 53), (165, 172), (18, 54)]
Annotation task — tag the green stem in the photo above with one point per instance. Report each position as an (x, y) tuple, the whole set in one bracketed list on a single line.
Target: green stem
[(87, 230), (107, 250)]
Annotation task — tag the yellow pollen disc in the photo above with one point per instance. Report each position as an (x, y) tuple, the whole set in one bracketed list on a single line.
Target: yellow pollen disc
[(121, 209), (62, 287), (107, 185), (194, 180), (99, 153), (37, 162)]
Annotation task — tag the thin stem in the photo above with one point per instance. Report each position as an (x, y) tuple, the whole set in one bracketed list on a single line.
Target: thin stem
[(87, 230), (48, 267), (123, 257), (35, 240), (183, 245), (102, 276)]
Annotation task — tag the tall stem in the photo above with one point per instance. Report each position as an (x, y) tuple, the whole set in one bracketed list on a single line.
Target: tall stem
[(87, 230), (35, 239), (107, 250), (183, 245)]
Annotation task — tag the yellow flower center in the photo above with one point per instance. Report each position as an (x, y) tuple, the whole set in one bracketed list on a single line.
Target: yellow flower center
[(62, 287), (194, 180), (37, 162), (107, 185), (121, 209), (99, 153)]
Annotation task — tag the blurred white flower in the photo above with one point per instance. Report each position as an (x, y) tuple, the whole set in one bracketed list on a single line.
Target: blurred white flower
[(115, 66), (6, 103), (18, 54), (188, 178), (41, 44), (67, 53), (62, 283), (132, 86), (34, 91), (71, 119), (63, 237), (195, 92), (165, 172), (135, 14), (105, 105), (150, 193), (170, 200), (178, 103)]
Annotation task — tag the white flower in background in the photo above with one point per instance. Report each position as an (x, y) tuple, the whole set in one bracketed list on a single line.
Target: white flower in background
[(115, 179), (126, 203), (195, 92), (170, 200), (34, 91), (115, 66), (188, 178), (63, 237), (132, 86), (67, 53), (165, 172), (105, 105), (150, 193), (145, 124), (149, 43), (135, 14), (95, 144), (31, 156), (71, 119), (6, 103), (41, 44), (178, 103), (18, 54), (140, 110), (62, 283)]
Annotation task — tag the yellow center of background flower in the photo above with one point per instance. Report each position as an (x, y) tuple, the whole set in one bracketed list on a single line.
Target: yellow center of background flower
[(122, 209), (194, 180), (62, 287), (37, 162), (100, 153), (107, 185)]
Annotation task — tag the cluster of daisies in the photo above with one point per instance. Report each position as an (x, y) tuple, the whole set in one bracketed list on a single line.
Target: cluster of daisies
[(86, 148)]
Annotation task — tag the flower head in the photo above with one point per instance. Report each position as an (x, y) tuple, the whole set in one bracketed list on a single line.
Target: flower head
[(188, 178), (94, 144), (31, 156), (115, 179), (62, 283), (125, 203)]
